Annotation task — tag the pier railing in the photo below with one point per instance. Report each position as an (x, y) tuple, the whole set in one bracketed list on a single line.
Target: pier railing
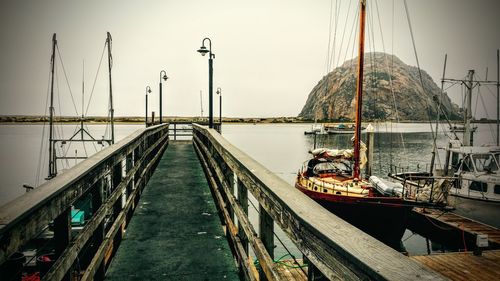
[(108, 185), (337, 249)]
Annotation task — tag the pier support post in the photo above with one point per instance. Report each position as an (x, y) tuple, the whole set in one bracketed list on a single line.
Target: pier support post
[(129, 164), (117, 207), (229, 179), (62, 235), (266, 234), (97, 199), (243, 201)]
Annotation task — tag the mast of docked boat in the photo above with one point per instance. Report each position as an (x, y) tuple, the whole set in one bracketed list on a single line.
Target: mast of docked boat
[(111, 109), (359, 89), (52, 159), (467, 139), (498, 97)]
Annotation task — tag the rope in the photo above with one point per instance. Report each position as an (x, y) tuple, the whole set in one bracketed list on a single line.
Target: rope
[(329, 37), (286, 249), (95, 80), (343, 33), (279, 261), (67, 80), (337, 8), (93, 143), (41, 157), (434, 134)]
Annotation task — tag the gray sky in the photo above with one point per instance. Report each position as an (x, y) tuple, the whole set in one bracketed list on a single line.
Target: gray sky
[(269, 53)]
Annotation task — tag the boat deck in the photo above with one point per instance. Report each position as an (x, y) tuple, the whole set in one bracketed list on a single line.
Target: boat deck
[(467, 225), (175, 233), (464, 266)]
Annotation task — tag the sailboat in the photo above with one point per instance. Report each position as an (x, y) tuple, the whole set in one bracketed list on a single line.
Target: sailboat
[(332, 178)]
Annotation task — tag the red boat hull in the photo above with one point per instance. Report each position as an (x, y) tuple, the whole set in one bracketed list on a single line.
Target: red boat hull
[(384, 218)]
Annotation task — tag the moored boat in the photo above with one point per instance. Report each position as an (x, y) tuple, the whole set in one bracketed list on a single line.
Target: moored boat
[(316, 129), (328, 179), (333, 179), (341, 129), (476, 192)]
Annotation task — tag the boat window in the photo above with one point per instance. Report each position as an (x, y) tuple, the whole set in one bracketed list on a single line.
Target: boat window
[(485, 162), (497, 189), (331, 167), (479, 186), (467, 165)]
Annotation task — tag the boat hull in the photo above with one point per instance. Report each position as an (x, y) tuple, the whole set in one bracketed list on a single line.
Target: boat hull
[(383, 218)]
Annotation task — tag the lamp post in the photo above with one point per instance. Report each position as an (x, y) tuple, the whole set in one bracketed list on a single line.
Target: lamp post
[(148, 91), (219, 93), (203, 50), (164, 77)]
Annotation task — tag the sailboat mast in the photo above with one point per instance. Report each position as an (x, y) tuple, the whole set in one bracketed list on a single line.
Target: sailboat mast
[(111, 110), (359, 88), (498, 97), (52, 158), (467, 139)]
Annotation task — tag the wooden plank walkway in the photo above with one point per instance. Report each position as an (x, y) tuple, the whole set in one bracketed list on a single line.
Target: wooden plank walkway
[(464, 266), (175, 233), (467, 225)]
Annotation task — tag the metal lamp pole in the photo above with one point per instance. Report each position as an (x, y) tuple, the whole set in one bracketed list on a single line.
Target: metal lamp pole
[(203, 50), (148, 91), (164, 77), (219, 93)]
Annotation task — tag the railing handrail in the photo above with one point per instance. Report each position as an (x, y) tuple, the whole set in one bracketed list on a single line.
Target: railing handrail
[(31, 204), (337, 248), (28, 203)]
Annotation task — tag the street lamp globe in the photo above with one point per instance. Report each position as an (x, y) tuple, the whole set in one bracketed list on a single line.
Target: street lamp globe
[(203, 50)]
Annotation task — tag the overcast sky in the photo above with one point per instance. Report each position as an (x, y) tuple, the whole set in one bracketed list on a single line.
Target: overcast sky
[(269, 53)]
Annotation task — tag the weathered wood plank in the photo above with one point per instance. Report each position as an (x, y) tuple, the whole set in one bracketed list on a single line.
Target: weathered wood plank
[(337, 248), (464, 266)]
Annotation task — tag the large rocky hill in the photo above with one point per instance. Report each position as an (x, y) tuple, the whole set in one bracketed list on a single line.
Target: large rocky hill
[(333, 97)]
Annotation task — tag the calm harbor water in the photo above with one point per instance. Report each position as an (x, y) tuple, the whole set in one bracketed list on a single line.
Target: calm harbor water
[(282, 148)]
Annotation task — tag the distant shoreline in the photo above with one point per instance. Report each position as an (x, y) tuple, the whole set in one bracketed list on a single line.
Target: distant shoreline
[(26, 119)]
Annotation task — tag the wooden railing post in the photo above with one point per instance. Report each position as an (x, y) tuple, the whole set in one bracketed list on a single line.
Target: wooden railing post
[(118, 205), (229, 179), (266, 234), (62, 235), (243, 201), (97, 200), (129, 164)]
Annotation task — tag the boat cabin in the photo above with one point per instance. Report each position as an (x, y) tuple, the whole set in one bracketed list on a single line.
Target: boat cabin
[(477, 172)]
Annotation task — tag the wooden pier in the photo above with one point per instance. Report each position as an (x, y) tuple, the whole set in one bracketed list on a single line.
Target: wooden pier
[(176, 213), (175, 233), (464, 266), (441, 225)]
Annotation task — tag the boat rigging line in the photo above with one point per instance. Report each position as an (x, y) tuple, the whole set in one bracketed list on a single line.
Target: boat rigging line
[(56, 143)]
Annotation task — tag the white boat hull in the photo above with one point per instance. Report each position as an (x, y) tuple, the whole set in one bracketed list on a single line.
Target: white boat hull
[(487, 212)]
